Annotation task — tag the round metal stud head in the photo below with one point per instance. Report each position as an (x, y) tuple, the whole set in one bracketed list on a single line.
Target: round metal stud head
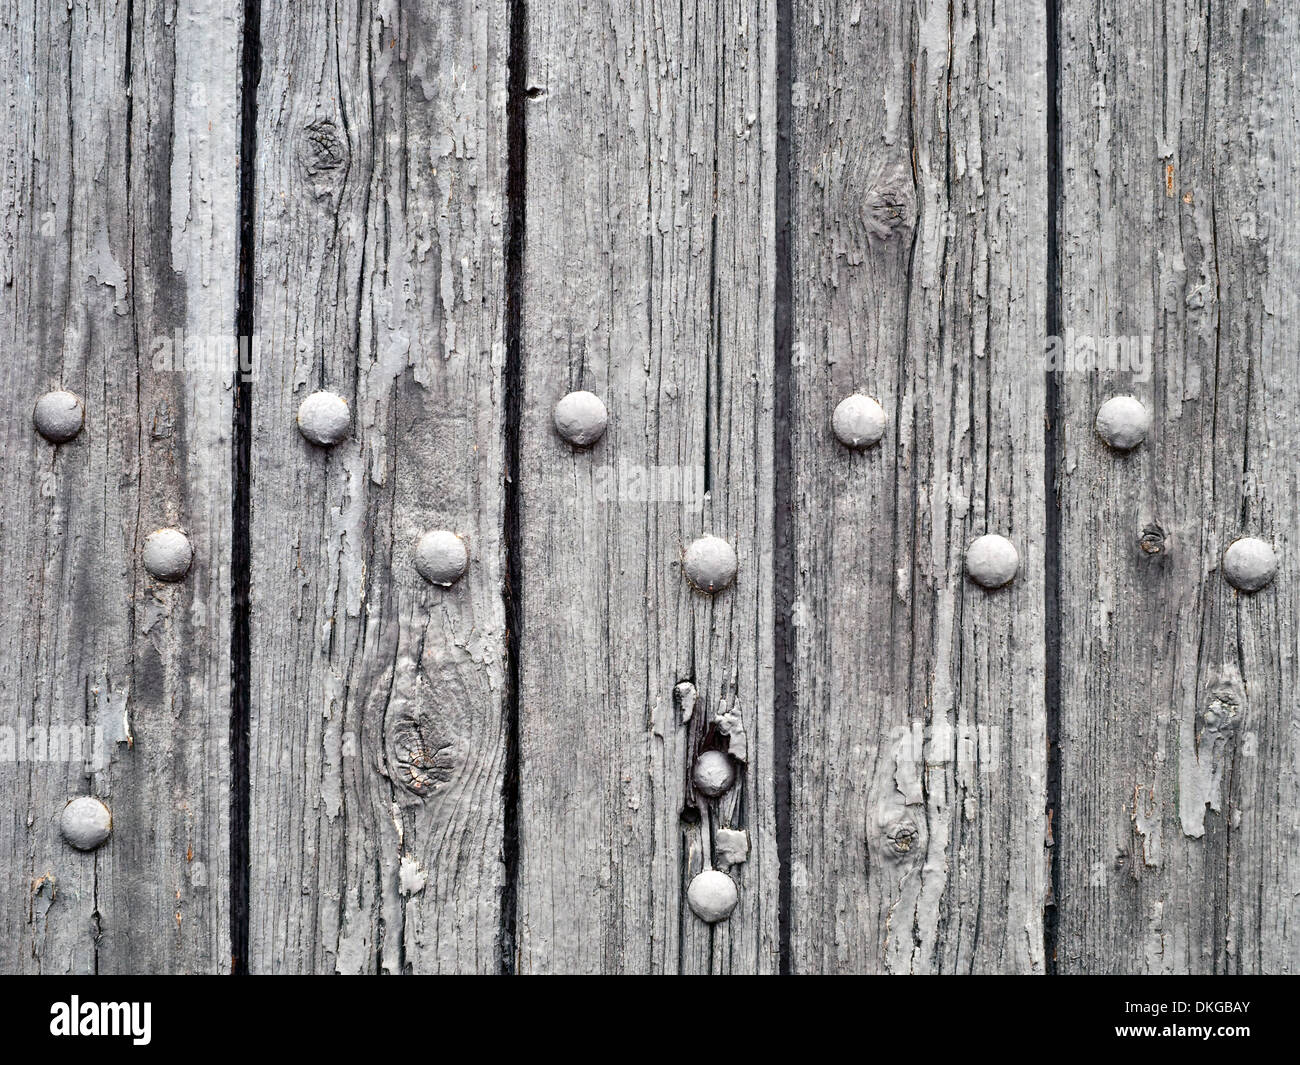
[(441, 557), (710, 564), (168, 554), (85, 822), (324, 419), (1123, 422), (581, 417), (59, 416), (712, 896), (992, 560), (859, 422), (713, 774), (1249, 564)]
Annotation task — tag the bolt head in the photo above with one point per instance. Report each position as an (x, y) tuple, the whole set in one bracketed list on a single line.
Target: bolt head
[(168, 554), (992, 560), (324, 418), (714, 773), (59, 416), (1249, 564), (85, 822), (710, 564), (858, 422), (1123, 422), (712, 895), (441, 557), (581, 417)]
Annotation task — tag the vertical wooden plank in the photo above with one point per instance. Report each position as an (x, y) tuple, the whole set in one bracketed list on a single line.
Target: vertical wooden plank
[(119, 278), (648, 280), (377, 735), (918, 249), (1179, 746)]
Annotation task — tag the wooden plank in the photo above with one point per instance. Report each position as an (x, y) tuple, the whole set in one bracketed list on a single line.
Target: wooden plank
[(1179, 746), (919, 277), (119, 279), (377, 732), (648, 280)]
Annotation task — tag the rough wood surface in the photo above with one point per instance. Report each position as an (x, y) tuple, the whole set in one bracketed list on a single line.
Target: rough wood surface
[(119, 267), (1179, 743), (648, 279), (377, 725), (853, 669), (919, 278)]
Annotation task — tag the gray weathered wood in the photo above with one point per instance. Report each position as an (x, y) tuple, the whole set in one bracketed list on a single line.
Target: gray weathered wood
[(919, 277), (1178, 830), (648, 279), (380, 791), (378, 733), (119, 274)]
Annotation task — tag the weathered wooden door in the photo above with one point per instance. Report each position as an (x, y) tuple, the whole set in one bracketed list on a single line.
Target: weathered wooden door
[(700, 673)]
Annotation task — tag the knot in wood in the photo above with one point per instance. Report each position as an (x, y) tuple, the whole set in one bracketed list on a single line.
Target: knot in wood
[(321, 149), (422, 754), (1222, 712), (903, 838), (889, 209), (1152, 540)]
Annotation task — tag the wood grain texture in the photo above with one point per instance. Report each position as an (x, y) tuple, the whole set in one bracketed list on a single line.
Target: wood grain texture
[(648, 279), (384, 828), (1179, 740), (119, 270), (919, 278), (377, 733)]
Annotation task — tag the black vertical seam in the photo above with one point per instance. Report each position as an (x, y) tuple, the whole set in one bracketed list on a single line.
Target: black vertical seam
[(512, 385), (1052, 495), (784, 698), (240, 554)]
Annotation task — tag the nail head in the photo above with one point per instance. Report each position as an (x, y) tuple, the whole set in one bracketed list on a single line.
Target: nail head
[(581, 418), (441, 557), (86, 822), (1123, 422), (59, 416), (710, 564), (324, 418), (167, 554), (992, 560), (712, 896), (858, 421), (713, 774), (1249, 564)]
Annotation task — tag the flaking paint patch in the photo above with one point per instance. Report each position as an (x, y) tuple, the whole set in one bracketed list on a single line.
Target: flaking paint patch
[(412, 877), (1147, 822), (43, 894), (332, 744), (1207, 742), (102, 266), (112, 713), (685, 696), (907, 842), (730, 846), (354, 944), (730, 725)]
